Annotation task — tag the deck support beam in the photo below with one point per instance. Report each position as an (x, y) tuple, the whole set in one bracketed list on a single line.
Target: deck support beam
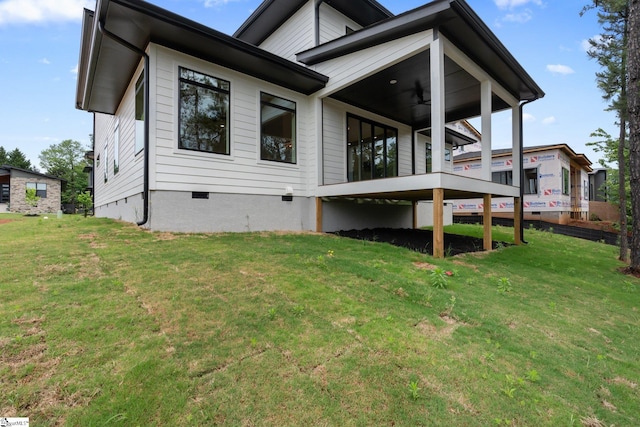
[(486, 220), (438, 223), (318, 215)]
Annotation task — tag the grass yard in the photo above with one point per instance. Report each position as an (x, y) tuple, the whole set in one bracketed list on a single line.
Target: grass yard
[(105, 324)]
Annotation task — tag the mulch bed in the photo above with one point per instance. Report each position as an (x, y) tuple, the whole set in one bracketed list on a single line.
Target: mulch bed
[(419, 240)]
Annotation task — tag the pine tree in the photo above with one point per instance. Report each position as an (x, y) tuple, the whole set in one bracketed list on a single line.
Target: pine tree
[(633, 105), (609, 50)]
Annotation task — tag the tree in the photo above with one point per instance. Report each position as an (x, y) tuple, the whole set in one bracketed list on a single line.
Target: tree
[(633, 106), (14, 158), (66, 160), (609, 49), (86, 201)]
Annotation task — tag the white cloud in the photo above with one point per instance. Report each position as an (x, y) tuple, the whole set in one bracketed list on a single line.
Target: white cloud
[(42, 11), (528, 118), (510, 4), (44, 61), (560, 69), (519, 18), (215, 3), (548, 120), (74, 70)]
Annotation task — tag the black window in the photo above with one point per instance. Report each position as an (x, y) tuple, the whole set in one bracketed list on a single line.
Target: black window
[(40, 187), (531, 181), (502, 177), (139, 119), (204, 112), (5, 191), (372, 150), (565, 181), (277, 129)]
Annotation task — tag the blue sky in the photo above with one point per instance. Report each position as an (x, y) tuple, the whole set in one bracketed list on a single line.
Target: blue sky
[(39, 48)]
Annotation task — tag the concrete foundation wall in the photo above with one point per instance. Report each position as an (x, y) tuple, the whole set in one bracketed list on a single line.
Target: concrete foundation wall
[(129, 209), (178, 211), (350, 215), (425, 214)]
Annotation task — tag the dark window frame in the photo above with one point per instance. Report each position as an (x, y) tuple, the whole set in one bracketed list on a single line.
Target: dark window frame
[(294, 130), (388, 132), (227, 118), (527, 181), (139, 111), (42, 193), (566, 182), (5, 193)]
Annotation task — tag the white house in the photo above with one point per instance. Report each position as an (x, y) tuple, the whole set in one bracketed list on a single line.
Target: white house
[(314, 115), (556, 183)]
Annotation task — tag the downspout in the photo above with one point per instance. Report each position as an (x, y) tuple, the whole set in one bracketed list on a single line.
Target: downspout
[(126, 44), (318, 3), (521, 143)]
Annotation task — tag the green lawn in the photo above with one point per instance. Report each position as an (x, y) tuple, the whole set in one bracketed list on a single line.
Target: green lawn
[(105, 324)]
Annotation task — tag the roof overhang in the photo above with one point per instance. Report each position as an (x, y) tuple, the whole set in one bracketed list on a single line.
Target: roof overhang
[(459, 24), (106, 67), (272, 13)]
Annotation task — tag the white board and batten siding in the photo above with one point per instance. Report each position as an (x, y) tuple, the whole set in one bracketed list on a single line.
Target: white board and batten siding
[(298, 33), (242, 171), (127, 181), (295, 35), (334, 140), (333, 24)]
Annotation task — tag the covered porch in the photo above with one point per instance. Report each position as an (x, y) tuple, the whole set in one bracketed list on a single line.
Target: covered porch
[(422, 70)]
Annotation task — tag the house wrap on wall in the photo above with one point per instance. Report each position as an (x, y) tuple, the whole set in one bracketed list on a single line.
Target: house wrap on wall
[(556, 183), (314, 115)]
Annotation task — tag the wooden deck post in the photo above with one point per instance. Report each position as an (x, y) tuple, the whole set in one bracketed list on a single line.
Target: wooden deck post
[(517, 220), (438, 223), (488, 241), (318, 215), (415, 215)]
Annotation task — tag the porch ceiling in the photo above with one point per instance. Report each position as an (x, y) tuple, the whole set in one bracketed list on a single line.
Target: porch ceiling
[(408, 100)]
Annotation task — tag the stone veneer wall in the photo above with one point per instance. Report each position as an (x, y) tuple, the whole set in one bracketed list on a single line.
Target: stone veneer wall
[(17, 196)]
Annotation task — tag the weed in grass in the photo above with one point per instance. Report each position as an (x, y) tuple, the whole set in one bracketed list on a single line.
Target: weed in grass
[(508, 391), (628, 286), (504, 285), (414, 390), (438, 278), (272, 313), (298, 310), (552, 305), (533, 376)]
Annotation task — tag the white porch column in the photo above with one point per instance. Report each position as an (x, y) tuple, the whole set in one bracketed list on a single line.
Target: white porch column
[(437, 104), (515, 143), (485, 108)]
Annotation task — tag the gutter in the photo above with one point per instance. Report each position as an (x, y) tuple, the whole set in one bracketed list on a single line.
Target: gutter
[(521, 143), (142, 53)]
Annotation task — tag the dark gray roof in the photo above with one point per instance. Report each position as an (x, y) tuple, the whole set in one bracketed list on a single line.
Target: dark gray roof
[(271, 14), (458, 23), (106, 67), (9, 168)]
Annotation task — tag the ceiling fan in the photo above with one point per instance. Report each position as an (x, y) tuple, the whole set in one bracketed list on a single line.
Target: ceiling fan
[(419, 94)]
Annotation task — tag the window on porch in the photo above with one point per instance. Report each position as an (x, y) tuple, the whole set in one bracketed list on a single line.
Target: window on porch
[(372, 150)]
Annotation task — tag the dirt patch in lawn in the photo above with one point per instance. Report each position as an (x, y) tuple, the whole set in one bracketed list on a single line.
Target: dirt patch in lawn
[(419, 240), (4, 221)]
